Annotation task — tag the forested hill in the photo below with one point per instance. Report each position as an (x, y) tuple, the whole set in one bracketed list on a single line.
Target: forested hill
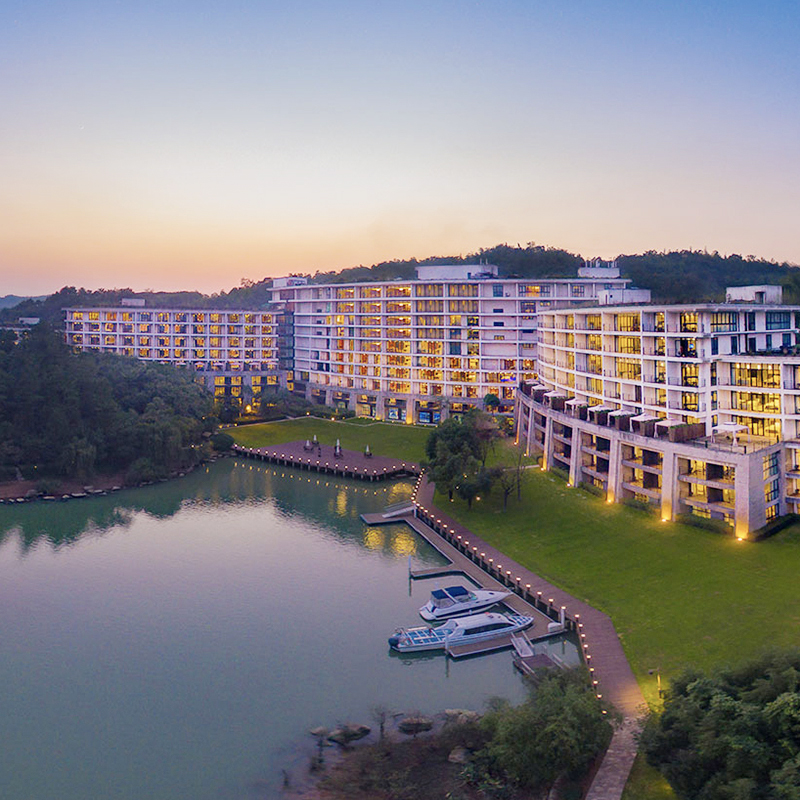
[(694, 276), (682, 276), (73, 414), (51, 309)]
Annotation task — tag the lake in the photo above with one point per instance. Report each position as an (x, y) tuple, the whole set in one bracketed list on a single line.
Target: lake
[(177, 642)]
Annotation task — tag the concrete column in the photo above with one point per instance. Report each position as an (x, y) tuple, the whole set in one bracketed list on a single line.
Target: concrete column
[(743, 484), (548, 443), (614, 492), (530, 435), (575, 456), (669, 485)]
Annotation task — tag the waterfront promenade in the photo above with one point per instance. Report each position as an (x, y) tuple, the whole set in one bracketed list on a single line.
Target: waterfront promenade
[(602, 649), (324, 458)]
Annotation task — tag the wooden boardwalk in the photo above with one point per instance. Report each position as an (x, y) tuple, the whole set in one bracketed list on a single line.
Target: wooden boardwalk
[(603, 650), (491, 568), (323, 458)]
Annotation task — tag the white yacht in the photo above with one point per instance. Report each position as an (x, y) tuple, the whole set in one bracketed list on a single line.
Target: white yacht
[(457, 600), (460, 630)]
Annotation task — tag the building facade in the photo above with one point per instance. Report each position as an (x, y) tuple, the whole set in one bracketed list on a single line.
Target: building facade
[(693, 410), (235, 353), (417, 350)]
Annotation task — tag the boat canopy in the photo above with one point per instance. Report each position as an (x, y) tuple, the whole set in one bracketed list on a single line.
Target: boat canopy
[(446, 597)]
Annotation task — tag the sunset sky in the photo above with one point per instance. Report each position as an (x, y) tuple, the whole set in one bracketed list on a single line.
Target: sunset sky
[(176, 145)]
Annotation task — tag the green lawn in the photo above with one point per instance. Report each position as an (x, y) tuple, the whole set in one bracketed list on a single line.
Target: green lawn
[(678, 595), (384, 439)]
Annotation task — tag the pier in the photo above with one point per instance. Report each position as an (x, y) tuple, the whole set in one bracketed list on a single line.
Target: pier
[(325, 458), (609, 669)]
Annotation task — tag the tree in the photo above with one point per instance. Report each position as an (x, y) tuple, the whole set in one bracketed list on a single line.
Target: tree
[(732, 735), (558, 731), (474, 483), (484, 432), (491, 402), (508, 479), (77, 413)]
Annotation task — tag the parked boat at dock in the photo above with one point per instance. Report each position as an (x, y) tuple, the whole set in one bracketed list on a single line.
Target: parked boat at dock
[(458, 600), (459, 630)]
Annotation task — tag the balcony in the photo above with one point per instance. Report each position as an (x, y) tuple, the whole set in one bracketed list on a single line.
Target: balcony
[(639, 488)]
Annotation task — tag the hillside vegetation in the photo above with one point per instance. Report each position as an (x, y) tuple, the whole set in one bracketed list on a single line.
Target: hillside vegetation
[(72, 415)]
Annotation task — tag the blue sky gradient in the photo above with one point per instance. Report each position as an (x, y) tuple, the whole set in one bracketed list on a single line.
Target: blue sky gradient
[(188, 145)]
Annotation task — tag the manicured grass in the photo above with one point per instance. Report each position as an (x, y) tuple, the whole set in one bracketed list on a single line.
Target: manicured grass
[(646, 783), (384, 439), (678, 595)]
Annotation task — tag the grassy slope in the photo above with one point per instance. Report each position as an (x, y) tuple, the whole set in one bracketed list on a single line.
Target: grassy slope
[(678, 595)]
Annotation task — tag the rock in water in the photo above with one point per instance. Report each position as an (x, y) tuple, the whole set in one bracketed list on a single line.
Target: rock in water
[(414, 725), (459, 755), (349, 733), (460, 716)]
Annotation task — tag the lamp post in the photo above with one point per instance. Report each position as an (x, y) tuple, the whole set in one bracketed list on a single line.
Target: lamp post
[(657, 672)]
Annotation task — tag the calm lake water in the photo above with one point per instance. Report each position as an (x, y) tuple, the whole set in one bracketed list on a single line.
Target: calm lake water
[(177, 642)]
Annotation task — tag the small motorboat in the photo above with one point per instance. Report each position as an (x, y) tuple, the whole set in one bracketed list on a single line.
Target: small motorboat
[(460, 630), (457, 600)]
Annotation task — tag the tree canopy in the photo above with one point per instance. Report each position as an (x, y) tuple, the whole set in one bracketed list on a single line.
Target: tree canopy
[(734, 735), (456, 453), (73, 414), (557, 732)]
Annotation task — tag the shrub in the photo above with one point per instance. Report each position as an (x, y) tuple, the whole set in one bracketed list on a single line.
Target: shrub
[(47, 486), (221, 441), (716, 525), (143, 470)]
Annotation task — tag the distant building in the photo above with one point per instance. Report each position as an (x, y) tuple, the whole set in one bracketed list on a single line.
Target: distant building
[(235, 353)]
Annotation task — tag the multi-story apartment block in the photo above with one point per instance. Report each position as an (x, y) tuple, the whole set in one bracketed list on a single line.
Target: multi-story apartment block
[(691, 409), (234, 352), (415, 350)]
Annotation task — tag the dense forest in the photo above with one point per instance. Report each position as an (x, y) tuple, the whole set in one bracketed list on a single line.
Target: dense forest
[(69, 414), (685, 276), (731, 735)]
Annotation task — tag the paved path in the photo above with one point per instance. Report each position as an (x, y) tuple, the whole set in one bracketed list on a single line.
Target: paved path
[(605, 656)]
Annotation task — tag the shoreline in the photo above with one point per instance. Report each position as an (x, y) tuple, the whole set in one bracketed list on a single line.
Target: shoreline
[(12, 492)]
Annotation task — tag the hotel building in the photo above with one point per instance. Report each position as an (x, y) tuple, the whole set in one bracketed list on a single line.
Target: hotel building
[(416, 350), (411, 351), (235, 353), (693, 410)]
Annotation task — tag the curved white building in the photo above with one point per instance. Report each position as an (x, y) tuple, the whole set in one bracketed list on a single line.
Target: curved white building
[(691, 409)]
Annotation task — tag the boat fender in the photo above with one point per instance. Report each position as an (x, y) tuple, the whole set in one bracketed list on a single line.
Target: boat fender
[(393, 641)]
